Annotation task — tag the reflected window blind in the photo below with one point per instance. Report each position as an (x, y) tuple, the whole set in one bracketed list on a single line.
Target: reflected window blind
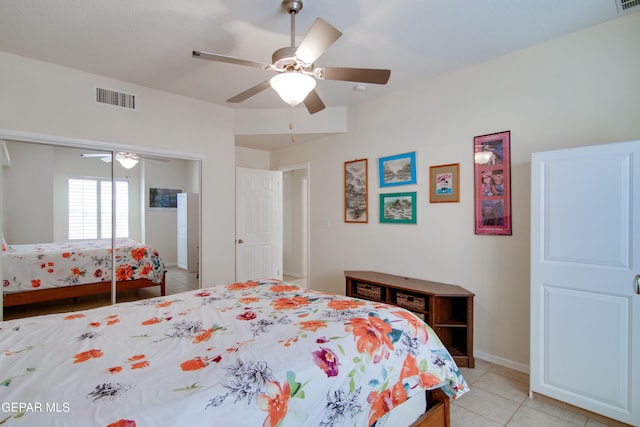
[(89, 208)]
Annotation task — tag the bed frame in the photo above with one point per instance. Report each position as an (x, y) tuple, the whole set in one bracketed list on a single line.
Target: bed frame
[(41, 295), (438, 411)]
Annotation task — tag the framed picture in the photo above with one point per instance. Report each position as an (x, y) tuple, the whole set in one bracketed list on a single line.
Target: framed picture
[(163, 198), (397, 170), (444, 183), (398, 208), (356, 191), (492, 183)]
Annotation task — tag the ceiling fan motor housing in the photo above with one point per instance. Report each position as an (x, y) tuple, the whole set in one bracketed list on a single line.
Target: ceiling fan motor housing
[(292, 6), (284, 59)]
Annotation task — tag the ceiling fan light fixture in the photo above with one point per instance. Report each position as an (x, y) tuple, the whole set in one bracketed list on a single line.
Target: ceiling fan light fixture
[(293, 87), (127, 162)]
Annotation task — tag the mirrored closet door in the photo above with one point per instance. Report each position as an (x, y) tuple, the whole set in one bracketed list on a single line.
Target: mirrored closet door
[(58, 218)]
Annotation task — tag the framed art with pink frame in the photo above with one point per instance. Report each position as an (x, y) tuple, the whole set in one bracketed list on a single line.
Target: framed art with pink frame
[(492, 183)]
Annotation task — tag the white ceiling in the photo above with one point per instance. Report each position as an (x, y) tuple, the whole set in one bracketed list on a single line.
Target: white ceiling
[(149, 42)]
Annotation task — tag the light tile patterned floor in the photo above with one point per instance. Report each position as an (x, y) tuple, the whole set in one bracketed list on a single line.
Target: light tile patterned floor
[(499, 396)]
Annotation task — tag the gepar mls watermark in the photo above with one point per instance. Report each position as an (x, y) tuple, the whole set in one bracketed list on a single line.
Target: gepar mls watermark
[(25, 407)]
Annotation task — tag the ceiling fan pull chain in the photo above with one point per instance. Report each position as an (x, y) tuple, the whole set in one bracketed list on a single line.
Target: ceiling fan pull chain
[(293, 136)]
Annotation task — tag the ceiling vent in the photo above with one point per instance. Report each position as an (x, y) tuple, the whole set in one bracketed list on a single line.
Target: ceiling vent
[(625, 6), (118, 99)]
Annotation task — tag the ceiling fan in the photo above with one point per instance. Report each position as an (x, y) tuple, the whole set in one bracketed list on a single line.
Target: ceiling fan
[(297, 73), (127, 160)]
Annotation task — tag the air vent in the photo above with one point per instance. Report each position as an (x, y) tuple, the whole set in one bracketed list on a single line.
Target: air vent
[(118, 99), (625, 6)]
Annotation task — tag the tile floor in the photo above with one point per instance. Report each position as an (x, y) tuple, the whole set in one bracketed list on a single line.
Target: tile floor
[(499, 396), (295, 280)]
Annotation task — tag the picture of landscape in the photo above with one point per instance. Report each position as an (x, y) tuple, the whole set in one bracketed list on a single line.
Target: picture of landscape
[(398, 208), (355, 191), (397, 170)]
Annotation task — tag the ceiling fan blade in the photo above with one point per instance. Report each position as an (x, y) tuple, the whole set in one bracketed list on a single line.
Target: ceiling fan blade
[(229, 59), (321, 35), (313, 102), (250, 92), (361, 75)]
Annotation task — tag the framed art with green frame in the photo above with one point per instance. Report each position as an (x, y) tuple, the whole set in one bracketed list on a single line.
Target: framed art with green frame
[(398, 208)]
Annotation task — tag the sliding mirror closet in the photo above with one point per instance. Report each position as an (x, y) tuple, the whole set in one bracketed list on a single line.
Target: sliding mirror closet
[(69, 214)]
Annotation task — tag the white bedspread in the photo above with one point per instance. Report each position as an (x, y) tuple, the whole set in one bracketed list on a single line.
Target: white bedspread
[(243, 354)]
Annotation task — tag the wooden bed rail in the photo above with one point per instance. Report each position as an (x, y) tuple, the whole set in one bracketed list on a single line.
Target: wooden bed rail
[(41, 295), (438, 411)]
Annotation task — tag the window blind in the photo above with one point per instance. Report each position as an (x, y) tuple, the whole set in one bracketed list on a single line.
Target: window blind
[(89, 208)]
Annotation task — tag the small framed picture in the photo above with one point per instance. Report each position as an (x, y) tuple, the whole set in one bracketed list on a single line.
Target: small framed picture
[(356, 195), (397, 170), (444, 183), (398, 208), (163, 198)]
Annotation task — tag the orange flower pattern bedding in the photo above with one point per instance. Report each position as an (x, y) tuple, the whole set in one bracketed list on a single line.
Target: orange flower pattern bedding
[(244, 354), (51, 265)]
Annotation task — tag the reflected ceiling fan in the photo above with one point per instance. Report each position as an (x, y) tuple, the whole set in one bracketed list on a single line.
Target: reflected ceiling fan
[(127, 160), (297, 73)]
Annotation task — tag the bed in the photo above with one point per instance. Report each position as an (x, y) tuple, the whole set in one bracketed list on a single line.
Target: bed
[(47, 271), (242, 354)]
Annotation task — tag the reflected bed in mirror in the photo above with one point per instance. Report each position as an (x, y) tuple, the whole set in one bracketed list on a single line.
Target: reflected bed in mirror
[(49, 271)]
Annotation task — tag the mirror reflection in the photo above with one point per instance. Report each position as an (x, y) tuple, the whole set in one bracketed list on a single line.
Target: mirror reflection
[(57, 227)]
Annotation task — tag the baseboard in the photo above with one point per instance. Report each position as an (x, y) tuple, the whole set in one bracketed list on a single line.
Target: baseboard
[(501, 361)]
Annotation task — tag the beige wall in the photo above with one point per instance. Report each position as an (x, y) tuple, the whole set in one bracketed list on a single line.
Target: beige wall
[(45, 99), (253, 159), (579, 90)]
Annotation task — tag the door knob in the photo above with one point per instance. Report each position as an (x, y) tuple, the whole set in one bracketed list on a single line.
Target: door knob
[(240, 241), (637, 284)]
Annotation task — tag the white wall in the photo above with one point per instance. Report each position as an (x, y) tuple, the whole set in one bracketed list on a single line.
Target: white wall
[(579, 90), (42, 98), (175, 174), (28, 215), (253, 159)]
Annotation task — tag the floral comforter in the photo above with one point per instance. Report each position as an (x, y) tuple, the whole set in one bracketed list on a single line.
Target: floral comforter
[(243, 354), (51, 265)]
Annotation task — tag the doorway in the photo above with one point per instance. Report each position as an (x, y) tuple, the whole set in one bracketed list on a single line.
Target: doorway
[(295, 200)]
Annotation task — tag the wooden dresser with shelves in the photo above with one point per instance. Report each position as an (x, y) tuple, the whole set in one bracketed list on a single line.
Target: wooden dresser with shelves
[(448, 309)]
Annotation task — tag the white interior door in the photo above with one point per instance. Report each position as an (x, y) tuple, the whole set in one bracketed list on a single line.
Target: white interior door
[(258, 224), (585, 255)]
